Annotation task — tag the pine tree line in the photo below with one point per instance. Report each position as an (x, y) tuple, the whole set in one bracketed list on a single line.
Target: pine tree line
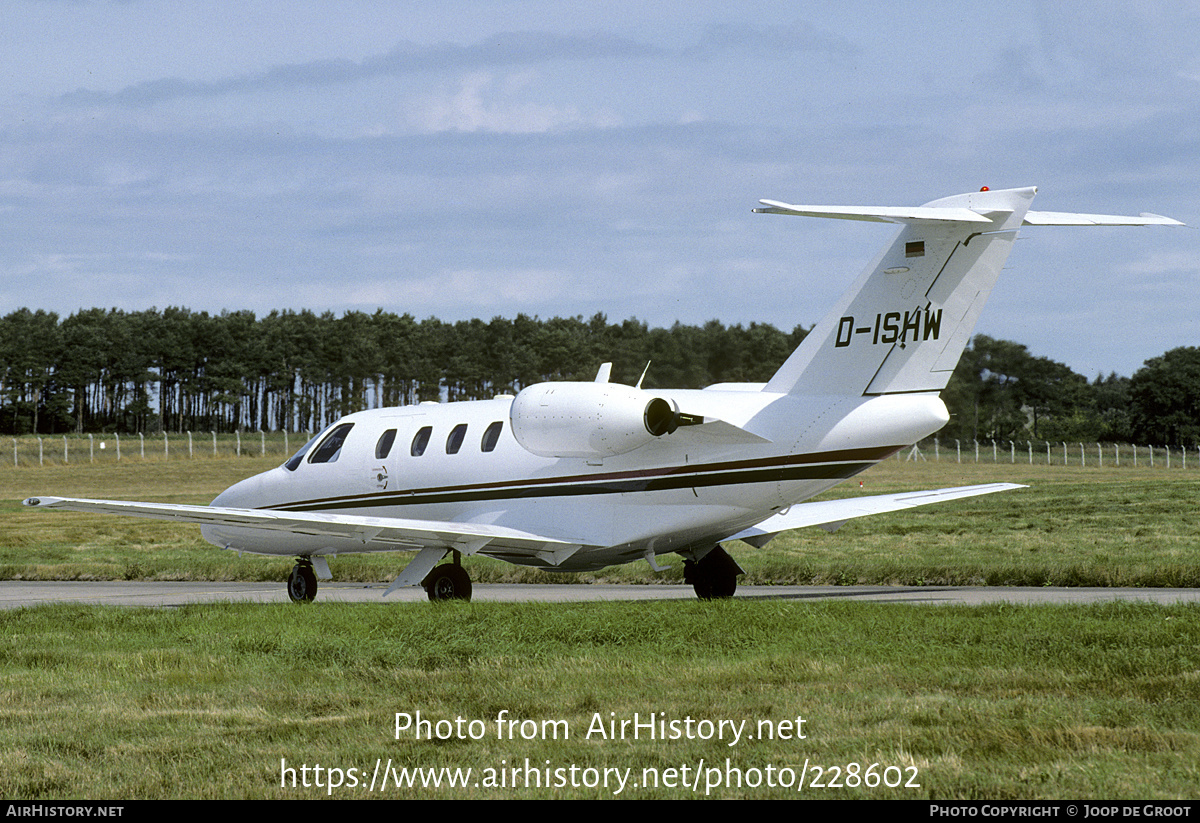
[(176, 370)]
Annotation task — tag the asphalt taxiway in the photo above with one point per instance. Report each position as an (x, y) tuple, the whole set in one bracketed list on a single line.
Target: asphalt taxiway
[(20, 594)]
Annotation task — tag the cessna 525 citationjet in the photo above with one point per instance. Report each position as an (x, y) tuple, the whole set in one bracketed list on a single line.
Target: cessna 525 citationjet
[(574, 476)]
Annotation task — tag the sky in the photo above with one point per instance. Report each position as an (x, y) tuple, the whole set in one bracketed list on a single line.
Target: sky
[(466, 159)]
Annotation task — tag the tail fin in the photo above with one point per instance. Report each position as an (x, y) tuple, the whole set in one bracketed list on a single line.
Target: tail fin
[(904, 324)]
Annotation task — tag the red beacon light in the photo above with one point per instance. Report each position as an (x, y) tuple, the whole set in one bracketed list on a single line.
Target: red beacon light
[(984, 188)]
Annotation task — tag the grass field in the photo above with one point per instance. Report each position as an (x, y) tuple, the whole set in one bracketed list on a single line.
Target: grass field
[(948, 702), (898, 701)]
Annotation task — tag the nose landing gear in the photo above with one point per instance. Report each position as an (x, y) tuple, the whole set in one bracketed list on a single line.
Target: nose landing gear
[(302, 582)]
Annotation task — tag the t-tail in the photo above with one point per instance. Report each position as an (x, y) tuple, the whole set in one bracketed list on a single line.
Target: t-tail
[(903, 325)]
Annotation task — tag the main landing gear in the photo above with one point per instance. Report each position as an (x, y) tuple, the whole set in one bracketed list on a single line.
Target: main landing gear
[(713, 576), (302, 582), (449, 581)]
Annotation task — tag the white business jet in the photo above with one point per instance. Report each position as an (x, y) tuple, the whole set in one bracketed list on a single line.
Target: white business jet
[(574, 476)]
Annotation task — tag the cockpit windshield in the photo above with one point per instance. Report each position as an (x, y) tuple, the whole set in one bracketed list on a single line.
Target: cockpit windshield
[(293, 462), (296, 459), (331, 446)]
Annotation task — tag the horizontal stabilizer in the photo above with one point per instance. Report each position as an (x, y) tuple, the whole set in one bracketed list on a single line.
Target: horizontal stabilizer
[(903, 214), (875, 214), (1062, 218), (836, 512)]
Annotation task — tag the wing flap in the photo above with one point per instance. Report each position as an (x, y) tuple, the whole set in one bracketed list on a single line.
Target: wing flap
[(832, 513)]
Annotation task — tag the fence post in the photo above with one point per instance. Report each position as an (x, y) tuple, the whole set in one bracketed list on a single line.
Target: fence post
[(142, 444), (14, 451), (118, 446), (1064, 454), (190, 443), (65, 460), (958, 449), (1082, 458), (41, 461), (238, 435), (166, 446), (214, 434), (263, 436), (1030, 444), (91, 449)]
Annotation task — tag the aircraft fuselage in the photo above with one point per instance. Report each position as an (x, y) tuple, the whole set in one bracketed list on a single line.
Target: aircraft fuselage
[(459, 462)]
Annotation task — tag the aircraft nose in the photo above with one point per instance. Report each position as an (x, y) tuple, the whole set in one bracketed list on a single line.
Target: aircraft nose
[(250, 493)]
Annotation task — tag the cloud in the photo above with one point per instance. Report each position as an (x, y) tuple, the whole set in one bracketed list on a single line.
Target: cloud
[(481, 103), (504, 49), (797, 37)]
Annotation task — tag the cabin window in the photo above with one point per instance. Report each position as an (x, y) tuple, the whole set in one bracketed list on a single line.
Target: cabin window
[(455, 440), (331, 446), (420, 441), (384, 447), (491, 437)]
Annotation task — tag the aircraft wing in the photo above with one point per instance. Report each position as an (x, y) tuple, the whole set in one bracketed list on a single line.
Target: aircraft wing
[(831, 514), (392, 533)]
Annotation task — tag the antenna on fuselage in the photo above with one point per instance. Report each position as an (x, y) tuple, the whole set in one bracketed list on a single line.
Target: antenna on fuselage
[(643, 377)]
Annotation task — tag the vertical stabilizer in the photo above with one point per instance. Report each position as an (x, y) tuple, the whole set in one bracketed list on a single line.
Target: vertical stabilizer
[(903, 325)]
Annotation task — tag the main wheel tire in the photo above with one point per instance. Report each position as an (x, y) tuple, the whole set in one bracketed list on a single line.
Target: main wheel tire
[(448, 582), (302, 584), (714, 577)]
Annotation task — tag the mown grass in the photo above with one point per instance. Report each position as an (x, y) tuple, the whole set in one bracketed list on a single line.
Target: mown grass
[(983, 702), (1111, 526)]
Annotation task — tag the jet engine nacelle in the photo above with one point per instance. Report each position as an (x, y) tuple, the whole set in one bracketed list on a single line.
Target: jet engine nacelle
[(589, 419)]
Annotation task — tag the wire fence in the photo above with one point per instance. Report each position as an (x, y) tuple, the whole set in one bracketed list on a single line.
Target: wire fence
[(1061, 453), (43, 450)]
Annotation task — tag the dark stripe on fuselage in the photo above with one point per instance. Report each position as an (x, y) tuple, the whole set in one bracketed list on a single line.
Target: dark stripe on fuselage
[(837, 465)]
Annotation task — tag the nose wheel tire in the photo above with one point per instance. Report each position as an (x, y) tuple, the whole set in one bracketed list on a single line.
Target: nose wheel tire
[(302, 583), (448, 582)]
